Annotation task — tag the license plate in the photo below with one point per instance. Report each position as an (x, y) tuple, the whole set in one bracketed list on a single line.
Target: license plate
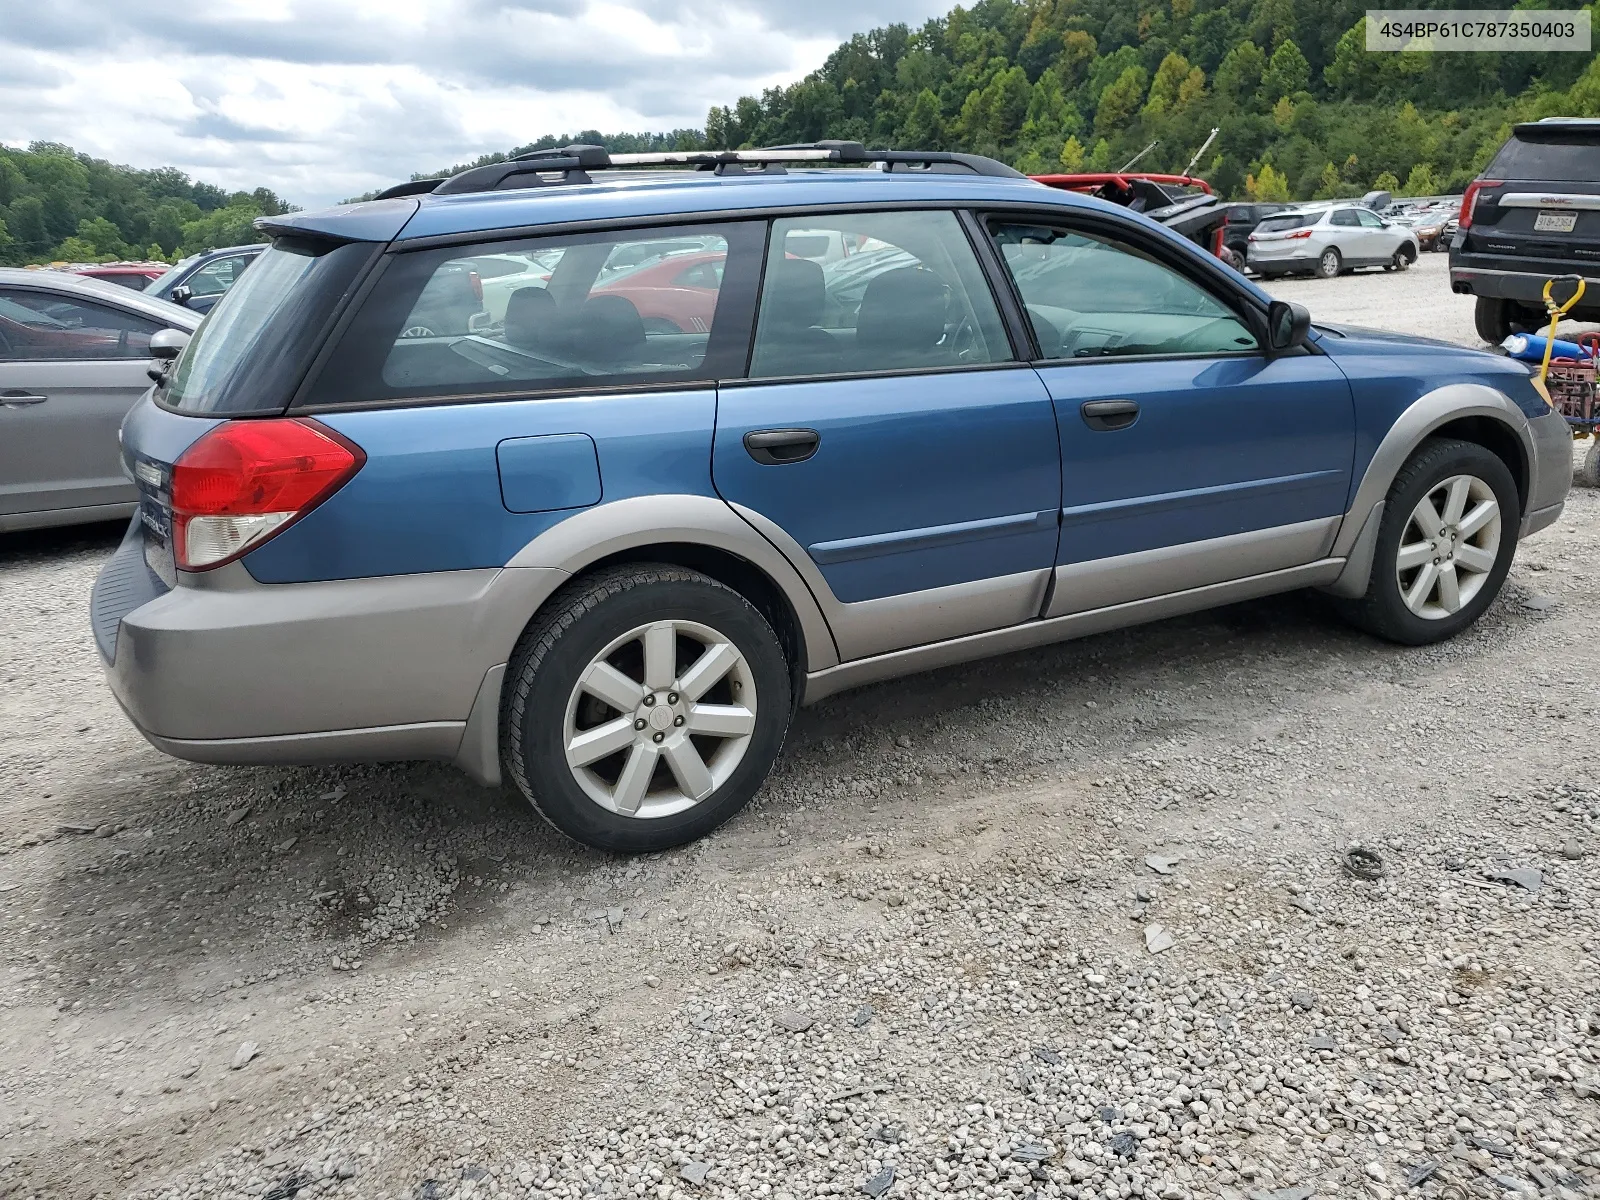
[(1555, 222), (158, 540)]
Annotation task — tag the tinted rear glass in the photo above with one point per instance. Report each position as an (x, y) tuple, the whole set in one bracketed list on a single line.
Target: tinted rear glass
[(1555, 157), (250, 351), (1279, 224)]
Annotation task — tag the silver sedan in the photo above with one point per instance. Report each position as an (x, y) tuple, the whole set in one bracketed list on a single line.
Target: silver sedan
[(1328, 242), (74, 356)]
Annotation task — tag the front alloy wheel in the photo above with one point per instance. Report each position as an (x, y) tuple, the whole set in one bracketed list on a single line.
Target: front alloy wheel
[(1449, 547)]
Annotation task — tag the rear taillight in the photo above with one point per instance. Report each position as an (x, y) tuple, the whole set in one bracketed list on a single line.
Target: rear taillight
[(1298, 234), (476, 281), (1469, 198), (247, 480)]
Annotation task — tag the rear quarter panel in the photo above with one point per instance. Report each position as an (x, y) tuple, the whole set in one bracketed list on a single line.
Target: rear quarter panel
[(429, 497)]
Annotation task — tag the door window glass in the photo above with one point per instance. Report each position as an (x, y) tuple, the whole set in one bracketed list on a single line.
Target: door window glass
[(1369, 218), (217, 277), (50, 325), (905, 292), (1089, 297), (1344, 216), (582, 311)]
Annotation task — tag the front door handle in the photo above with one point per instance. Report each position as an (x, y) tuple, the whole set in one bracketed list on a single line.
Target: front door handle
[(1105, 415), (778, 447), (16, 398)]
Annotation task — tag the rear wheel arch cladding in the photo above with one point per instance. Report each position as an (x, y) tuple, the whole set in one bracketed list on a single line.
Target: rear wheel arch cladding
[(1431, 415)]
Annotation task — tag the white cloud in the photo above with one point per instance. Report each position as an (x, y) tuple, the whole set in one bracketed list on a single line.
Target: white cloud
[(321, 99)]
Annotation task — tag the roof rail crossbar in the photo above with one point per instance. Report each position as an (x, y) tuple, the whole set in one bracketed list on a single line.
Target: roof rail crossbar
[(571, 164)]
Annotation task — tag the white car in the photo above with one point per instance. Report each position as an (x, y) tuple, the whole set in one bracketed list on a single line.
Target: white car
[(1328, 242)]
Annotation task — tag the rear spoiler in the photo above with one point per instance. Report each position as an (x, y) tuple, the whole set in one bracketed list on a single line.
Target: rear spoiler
[(371, 221)]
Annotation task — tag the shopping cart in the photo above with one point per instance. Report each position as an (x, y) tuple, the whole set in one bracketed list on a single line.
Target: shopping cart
[(1569, 380)]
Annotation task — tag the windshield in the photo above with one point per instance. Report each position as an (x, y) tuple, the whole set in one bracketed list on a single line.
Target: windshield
[(1288, 221), (248, 354), (1549, 157), (159, 286)]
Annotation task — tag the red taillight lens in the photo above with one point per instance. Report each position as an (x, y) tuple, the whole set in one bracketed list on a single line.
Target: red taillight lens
[(1298, 234), (247, 480), (477, 284), (1469, 198)]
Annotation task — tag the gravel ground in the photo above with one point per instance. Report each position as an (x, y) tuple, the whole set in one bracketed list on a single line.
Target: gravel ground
[(1074, 923)]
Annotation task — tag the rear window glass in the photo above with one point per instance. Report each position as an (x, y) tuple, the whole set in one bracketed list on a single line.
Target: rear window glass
[(1279, 224), (559, 313), (250, 351), (1558, 158)]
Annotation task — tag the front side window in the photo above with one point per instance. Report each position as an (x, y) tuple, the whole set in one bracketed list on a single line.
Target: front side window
[(218, 276), (904, 293), (1369, 218), (38, 325), (1090, 297), (582, 311)]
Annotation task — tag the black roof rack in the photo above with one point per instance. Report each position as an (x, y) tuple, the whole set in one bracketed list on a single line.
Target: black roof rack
[(572, 164)]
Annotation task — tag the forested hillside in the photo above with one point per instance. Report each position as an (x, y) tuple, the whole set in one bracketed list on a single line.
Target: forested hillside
[(57, 204), (1303, 111)]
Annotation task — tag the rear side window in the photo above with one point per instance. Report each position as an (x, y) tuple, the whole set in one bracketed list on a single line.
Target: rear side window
[(36, 325), (249, 353), (1549, 157), (907, 293), (1290, 221), (1344, 216), (612, 309)]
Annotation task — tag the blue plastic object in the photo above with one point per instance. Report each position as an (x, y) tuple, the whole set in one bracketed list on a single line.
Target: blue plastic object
[(1529, 347)]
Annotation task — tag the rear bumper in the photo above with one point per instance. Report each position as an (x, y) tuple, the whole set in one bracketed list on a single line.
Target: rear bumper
[(1527, 287), (1551, 477), (1270, 264), (225, 670)]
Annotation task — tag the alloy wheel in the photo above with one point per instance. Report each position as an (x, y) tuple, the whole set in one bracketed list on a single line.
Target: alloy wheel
[(660, 719), (1448, 547)]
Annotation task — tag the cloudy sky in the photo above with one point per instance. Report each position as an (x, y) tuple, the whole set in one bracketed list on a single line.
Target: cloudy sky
[(322, 99)]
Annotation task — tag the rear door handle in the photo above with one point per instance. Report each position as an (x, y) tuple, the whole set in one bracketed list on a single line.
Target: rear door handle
[(1106, 415), (778, 447), (16, 398)]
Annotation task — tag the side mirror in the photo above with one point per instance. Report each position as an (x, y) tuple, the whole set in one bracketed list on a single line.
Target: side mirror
[(1287, 325), (168, 344), (182, 294), (165, 346)]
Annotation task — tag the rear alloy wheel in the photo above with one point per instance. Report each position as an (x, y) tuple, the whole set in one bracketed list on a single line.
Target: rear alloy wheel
[(1400, 261), (644, 707), (1330, 264), (1447, 537)]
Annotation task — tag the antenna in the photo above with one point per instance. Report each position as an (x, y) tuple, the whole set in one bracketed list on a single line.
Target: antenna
[(1138, 156)]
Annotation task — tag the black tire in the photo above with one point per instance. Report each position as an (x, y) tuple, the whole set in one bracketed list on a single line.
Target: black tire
[(1382, 610), (1588, 472), (558, 646), (1402, 259), (1329, 263), (1491, 316)]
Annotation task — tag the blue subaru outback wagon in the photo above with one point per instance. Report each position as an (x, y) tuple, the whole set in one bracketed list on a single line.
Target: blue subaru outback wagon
[(585, 470)]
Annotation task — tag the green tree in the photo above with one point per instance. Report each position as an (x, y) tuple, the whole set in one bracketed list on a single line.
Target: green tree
[(1386, 182), (1287, 72), (924, 127), (1169, 78), (1267, 185), (1119, 103), (1079, 50), (1420, 182), (1072, 156), (1239, 77)]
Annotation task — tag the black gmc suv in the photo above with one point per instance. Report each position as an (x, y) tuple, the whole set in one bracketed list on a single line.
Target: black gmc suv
[(1532, 215)]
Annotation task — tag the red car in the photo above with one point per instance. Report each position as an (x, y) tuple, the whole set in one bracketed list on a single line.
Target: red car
[(677, 294), (130, 275)]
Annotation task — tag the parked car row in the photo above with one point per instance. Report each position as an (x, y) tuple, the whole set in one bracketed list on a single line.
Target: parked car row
[(1329, 241)]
